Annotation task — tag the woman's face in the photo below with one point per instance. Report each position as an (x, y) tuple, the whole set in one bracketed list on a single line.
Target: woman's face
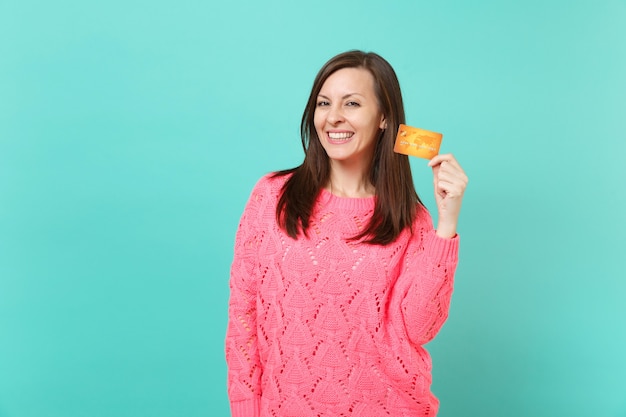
[(347, 117)]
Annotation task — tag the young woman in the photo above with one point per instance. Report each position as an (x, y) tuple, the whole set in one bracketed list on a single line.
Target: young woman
[(338, 277)]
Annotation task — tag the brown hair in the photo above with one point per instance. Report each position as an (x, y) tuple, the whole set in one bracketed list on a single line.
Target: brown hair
[(390, 173)]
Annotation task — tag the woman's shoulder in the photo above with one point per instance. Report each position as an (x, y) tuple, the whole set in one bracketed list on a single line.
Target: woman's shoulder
[(270, 183), (265, 194), (423, 219)]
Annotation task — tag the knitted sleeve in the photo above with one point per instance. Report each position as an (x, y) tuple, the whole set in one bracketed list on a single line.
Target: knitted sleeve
[(430, 264), (242, 356)]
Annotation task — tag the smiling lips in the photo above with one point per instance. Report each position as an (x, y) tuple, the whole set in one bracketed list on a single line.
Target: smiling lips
[(339, 137)]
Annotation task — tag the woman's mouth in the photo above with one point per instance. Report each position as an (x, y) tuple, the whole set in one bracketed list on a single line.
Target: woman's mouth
[(339, 137)]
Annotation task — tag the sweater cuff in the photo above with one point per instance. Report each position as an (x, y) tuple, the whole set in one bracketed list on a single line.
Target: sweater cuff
[(246, 408), (443, 249)]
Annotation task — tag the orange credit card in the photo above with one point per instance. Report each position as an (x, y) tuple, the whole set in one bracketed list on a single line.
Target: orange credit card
[(417, 142)]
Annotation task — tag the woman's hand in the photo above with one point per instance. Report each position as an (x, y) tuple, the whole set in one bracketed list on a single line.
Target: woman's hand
[(450, 182)]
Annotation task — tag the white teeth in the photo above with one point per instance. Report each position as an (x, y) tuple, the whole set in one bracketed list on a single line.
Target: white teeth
[(342, 135)]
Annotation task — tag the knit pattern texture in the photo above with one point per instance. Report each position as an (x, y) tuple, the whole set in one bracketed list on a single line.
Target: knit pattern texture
[(326, 326)]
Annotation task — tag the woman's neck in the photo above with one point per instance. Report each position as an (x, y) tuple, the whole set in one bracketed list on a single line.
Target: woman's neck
[(351, 182)]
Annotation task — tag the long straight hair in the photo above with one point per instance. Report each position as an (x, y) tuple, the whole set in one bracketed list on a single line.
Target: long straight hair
[(390, 173)]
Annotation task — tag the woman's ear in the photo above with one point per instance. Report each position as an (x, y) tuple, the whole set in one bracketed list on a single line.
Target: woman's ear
[(383, 123)]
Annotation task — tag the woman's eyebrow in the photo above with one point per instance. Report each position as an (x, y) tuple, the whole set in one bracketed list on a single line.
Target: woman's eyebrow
[(344, 97)]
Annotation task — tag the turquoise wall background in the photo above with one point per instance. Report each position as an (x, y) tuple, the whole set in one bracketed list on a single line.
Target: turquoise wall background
[(131, 133)]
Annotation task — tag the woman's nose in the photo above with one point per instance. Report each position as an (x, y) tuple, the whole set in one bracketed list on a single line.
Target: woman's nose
[(335, 115)]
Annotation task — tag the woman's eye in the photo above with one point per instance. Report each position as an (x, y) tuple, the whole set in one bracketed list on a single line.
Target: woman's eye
[(352, 104), (322, 103)]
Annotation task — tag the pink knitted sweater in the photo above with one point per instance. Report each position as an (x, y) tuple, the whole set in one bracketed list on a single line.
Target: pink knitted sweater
[(325, 326)]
